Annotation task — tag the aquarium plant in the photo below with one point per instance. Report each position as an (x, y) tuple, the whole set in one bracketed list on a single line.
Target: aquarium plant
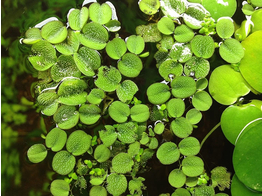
[(117, 99)]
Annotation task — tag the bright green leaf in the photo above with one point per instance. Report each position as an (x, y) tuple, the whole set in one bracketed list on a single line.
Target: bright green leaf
[(100, 13), (130, 65), (122, 163), (181, 127), (56, 139), (78, 18), (102, 153), (37, 153), (126, 90), (158, 93), (135, 44), (63, 162), (89, 113), (59, 188), (168, 153), (54, 32), (116, 48), (203, 46), (192, 166), (231, 51), (183, 86)]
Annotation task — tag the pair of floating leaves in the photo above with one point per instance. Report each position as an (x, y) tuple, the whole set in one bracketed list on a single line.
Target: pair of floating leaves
[(78, 18), (101, 14)]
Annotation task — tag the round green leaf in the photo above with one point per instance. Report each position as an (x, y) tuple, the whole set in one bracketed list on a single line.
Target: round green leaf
[(113, 25), (203, 46), (108, 78), (32, 36), (140, 113), (135, 44), (89, 113), (183, 34), (119, 111), (95, 96), (180, 52), (159, 128), (247, 158), (166, 25), (130, 65), (153, 144), (231, 51), (70, 45), (87, 60), (126, 90), (166, 43), (56, 139), (201, 84), (48, 102), (204, 190), (65, 67), (181, 192), (127, 132), (183, 86), (176, 178), (169, 69), (149, 7), (94, 36), (78, 18), (158, 93), (66, 117), (225, 27), (175, 107), (191, 181), (192, 166), (63, 162), (44, 55), (194, 116), (202, 101), (219, 8), (78, 142), (102, 153), (97, 180), (173, 9), (226, 85), (250, 64), (181, 127), (71, 91), (98, 190), (168, 153), (116, 184), (100, 13), (234, 119), (108, 136), (197, 67), (54, 32), (150, 32), (116, 48), (189, 146), (122, 163), (194, 16), (37, 153), (59, 188)]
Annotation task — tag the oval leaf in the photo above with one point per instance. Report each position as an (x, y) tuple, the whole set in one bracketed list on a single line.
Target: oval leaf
[(231, 51), (130, 65), (119, 111), (168, 153), (126, 90), (56, 139), (192, 166), (37, 153), (63, 162), (183, 86), (54, 32), (135, 44), (122, 163), (89, 113), (59, 188), (158, 93), (116, 48), (78, 18), (100, 13)]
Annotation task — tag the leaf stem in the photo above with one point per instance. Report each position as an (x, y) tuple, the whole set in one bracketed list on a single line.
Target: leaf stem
[(210, 132)]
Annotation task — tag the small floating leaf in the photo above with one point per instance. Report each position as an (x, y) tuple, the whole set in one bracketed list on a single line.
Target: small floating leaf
[(158, 93), (126, 90), (127, 132), (78, 18), (166, 25), (140, 113), (192, 166), (94, 36), (95, 96), (116, 48), (102, 153), (122, 163), (149, 33), (149, 7), (183, 86), (113, 25), (78, 142), (54, 32), (100, 13), (194, 116), (225, 27), (98, 190), (70, 45), (89, 113), (66, 117), (194, 16), (189, 146), (159, 128), (116, 184), (108, 136), (181, 52), (48, 102), (197, 66), (65, 67), (183, 34), (44, 55), (204, 190), (181, 192), (108, 78), (135, 44), (170, 68), (201, 84), (202, 101), (119, 111), (32, 36), (175, 107), (71, 92), (203, 46), (168, 153), (56, 139), (87, 60), (231, 51), (37, 153), (176, 178), (130, 65), (173, 9), (59, 188), (181, 127), (63, 162)]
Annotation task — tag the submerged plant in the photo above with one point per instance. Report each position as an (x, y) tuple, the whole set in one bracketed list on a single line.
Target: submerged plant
[(106, 131)]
